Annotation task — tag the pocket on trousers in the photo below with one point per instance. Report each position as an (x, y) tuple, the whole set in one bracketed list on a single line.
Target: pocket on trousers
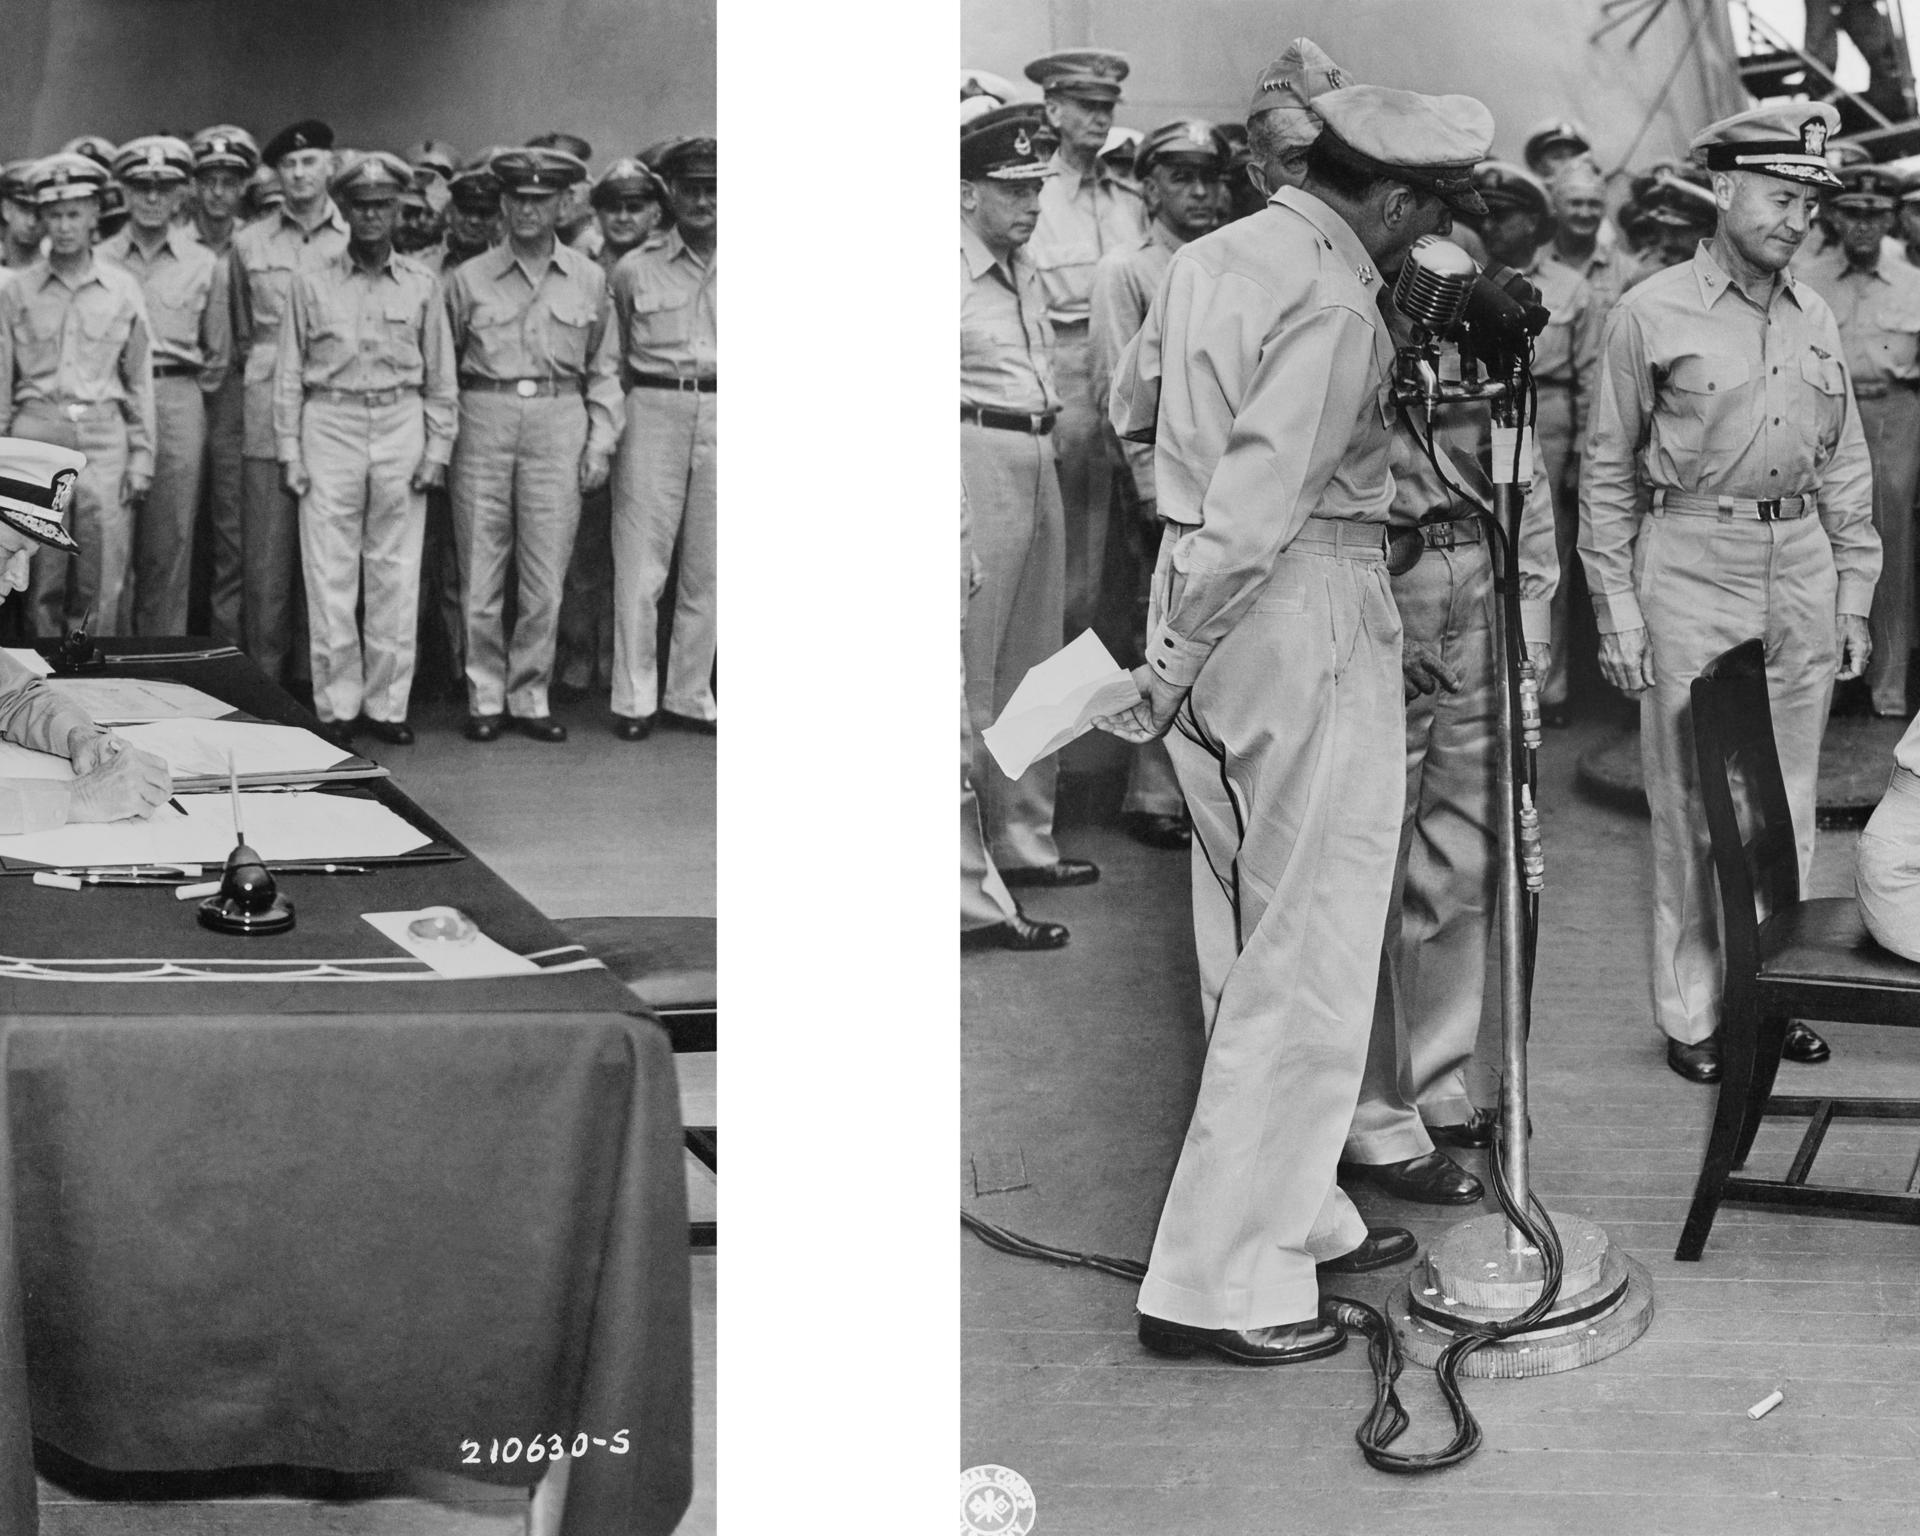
[(1285, 593)]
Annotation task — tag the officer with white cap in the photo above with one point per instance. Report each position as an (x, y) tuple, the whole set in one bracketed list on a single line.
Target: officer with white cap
[(1876, 301), (1264, 369), (113, 779), (1085, 211), (1724, 409), (1553, 144)]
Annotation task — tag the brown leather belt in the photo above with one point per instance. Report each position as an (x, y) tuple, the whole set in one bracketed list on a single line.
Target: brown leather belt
[(1010, 421), (366, 397), (671, 381), (1451, 532), (175, 370), (526, 389)]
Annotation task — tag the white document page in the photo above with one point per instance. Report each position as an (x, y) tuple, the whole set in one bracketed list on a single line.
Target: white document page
[(197, 748), (31, 659), (118, 700), (281, 828), (1058, 701)]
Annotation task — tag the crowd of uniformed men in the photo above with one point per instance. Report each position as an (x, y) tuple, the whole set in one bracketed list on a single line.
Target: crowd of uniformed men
[(347, 410), (1178, 425)]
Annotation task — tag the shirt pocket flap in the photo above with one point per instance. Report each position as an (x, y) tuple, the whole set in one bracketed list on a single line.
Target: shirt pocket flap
[(572, 310), (1709, 375), (1824, 373)]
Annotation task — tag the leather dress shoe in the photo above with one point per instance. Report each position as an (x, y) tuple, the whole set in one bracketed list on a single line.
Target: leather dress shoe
[(1696, 1063), (483, 727), (1474, 1131), (673, 722), (338, 733), (1804, 1046), (633, 727), (1383, 1246), (1279, 1345), (540, 727), (1435, 1179), (1061, 872), (1159, 830), (396, 732), (1017, 932)]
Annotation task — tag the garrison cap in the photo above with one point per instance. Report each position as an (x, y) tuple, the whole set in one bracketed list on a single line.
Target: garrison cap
[(16, 180), (978, 82), (1868, 189), (224, 145), (435, 155), (1428, 142), (153, 157), (1504, 186), (371, 176), (309, 133), (1008, 144), (1556, 131), (1187, 139), (100, 151), (36, 485), (63, 177), (693, 158), (1788, 141), (627, 177), (572, 143), (1086, 74), (535, 170), (1291, 82)]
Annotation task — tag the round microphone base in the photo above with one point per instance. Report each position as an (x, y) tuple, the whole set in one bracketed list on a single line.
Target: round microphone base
[(225, 915)]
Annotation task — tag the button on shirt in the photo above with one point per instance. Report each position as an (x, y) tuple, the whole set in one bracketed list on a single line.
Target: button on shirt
[(1270, 364), (81, 339), (185, 286), (666, 300), (1123, 288), (1006, 346), (260, 268), (1081, 219), (554, 323), (1878, 313), (363, 330), (1709, 392)]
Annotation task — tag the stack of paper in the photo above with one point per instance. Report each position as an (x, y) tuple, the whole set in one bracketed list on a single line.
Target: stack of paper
[(1057, 701), (281, 827), (121, 700)]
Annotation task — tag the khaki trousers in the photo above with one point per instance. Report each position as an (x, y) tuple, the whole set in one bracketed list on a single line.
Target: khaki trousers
[(1892, 427), (1705, 584), (1290, 751), (1560, 455), (664, 492), (163, 524), (361, 525), (1080, 445), (65, 589), (1429, 1009), (1012, 624), (516, 498), (226, 433), (272, 621)]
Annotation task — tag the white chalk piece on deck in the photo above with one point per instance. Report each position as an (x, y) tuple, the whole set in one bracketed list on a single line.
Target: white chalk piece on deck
[(1058, 701), (1766, 1405)]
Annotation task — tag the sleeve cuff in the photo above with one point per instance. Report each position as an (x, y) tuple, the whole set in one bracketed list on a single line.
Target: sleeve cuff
[(1855, 596), (140, 462), (1175, 660), (289, 450), (1615, 612), (440, 451), (1536, 620)]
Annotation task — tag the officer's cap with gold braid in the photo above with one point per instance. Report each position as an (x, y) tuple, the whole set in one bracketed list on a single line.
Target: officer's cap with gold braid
[(63, 178), (224, 146), (154, 157), (1868, 189), (376, 176), (36, 485), (1788, 142), (1189, 140), (1086, 74), (1007, 144)]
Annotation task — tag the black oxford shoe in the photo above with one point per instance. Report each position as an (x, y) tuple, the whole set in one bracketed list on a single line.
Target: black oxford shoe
[(1696, 1063), (672, 722), (1383, 1246), (1160, 831), (1017, 932), (1280, 1345), (337, 733), (1062, 872), (1804, 1046), (633, 727), (1474, 1131), (482, 728), (396, 732), (1435, 1179), (540, 727)]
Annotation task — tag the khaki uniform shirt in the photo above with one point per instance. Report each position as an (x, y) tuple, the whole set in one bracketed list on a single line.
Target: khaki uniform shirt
[(79, 340), (1610, 271), (260, 268), (1123, 288), (667, 303), (1081, 219), (1708, 392), (1878, 313), (185, 286), (553, 324), (360, 330), (1566, 353), (1267, 367), (1006, 345)]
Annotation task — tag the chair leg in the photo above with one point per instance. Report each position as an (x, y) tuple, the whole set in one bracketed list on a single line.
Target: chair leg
[(1729, 1124), (1770, 1033)]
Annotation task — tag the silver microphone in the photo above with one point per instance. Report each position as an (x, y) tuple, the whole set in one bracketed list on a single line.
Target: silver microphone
[(1435, 282)]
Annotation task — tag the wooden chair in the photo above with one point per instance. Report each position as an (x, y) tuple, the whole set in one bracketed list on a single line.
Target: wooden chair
[(1786, 957)]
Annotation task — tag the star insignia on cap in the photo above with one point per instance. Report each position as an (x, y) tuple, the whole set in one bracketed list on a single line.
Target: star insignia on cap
[(219, 146), (1813, 136), (1022, 145), (1363, 272)]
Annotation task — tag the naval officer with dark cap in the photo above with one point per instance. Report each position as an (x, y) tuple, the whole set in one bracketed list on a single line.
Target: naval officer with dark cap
[(1085, 211), (262, 264), (1875, 300), (1265, 371), (1724, 411), (76, 368)]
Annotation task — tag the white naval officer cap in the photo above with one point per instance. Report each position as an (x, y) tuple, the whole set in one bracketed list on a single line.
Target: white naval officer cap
[(36, 486), (1787, 141)]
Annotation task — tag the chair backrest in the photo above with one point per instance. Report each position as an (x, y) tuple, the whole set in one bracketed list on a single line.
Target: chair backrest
[(1749, 823)]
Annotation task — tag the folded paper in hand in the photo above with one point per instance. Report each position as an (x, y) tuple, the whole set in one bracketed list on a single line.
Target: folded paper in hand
[(1057, 701)]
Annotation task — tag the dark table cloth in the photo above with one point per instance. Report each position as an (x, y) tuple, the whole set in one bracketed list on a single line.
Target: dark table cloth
[(295, 1200)]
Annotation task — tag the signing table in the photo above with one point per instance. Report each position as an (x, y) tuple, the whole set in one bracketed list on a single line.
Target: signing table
[(300, 1201)]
